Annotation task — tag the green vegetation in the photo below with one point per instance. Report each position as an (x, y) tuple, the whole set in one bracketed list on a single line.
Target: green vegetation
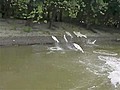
[(85, 12), (27, 29)]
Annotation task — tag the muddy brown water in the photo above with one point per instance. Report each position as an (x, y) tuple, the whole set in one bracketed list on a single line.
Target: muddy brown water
[(38, 68)]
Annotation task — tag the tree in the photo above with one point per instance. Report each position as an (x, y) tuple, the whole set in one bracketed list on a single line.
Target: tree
[(87, 12), (6, 8)]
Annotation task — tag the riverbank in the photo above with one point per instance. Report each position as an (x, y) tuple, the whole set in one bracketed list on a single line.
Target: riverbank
[(14, 32)]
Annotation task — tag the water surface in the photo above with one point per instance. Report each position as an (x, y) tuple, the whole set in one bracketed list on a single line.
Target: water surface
[(38, 68)]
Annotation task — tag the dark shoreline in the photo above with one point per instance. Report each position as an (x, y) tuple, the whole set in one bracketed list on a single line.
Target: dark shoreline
[(25, 40), (47, 40), (29, 40)]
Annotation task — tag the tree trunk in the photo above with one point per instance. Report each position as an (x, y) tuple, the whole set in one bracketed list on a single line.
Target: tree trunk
[(56, 17), (48, 16), (60, 16), (52, 18), (29, 21), (6, 9)]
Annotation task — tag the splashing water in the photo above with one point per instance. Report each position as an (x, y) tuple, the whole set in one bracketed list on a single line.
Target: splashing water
[(55, 49), (114, 66), (91, 42), (68, 44), (78, 34), (105, 52)]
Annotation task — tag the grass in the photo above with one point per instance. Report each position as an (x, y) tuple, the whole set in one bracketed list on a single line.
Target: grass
[(27, 29)]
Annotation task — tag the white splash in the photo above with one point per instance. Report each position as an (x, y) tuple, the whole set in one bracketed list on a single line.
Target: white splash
[(91, 42), (49, 52), (55, 48), (13, 40), (91, 88), (55, 39), (105, 52), (78, 34), (115, 78), (78, 47), (114, 66)]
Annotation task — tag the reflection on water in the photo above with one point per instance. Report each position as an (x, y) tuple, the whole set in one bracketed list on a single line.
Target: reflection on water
[(37, 68)]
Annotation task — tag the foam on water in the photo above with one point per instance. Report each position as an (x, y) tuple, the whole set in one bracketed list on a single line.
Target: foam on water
[(94, 68), (105, 52), (115, 77), (114, 66), (55, 48), (105, 65)]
